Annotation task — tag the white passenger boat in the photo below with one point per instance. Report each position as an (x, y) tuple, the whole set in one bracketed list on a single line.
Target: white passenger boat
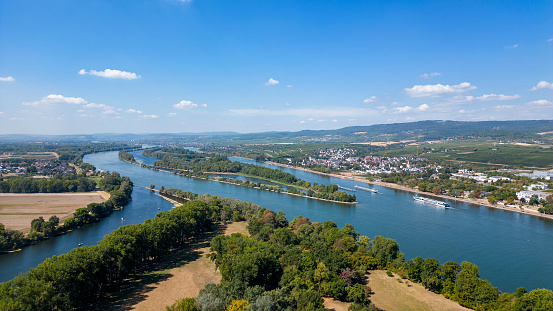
[(430, 201), (366, 189)]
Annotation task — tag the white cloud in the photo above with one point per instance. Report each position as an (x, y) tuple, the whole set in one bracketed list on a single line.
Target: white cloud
[(405, 109), (110, 112), (434, 90), (16, 119), (289, 85), (497, 97), (423, 107), (7, 79), (514, 46), (271, 82), (369, 100), (430, 75), (204, 105), (550, 40), (185, 104), (541, 102), (133, 111), (1, 113), (402, 109), (505, 107), (172, 114), (542, 85), (409, 119), (302, 122), (150, 116), (99, 106), (56, 99), (111, 73)]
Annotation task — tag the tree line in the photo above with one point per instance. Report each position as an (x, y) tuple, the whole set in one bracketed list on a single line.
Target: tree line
[(119, 188)]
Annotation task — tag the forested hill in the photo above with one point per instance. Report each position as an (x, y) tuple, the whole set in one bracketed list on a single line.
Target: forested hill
[(421, 130)]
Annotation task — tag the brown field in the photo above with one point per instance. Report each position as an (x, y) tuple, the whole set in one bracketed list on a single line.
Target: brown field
[(17, 210), (390, 295), (32, 155), (180, 275), (378, 143)]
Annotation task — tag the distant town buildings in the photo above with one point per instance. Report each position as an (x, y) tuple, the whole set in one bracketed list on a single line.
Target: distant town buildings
[(547, 175)]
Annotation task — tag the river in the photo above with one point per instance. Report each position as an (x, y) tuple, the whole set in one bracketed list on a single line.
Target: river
[(511, 249)]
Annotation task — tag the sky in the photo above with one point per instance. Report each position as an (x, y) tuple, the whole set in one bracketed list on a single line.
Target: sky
[(169, 66)]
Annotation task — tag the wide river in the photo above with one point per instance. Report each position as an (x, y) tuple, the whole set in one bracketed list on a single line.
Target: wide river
[(511, 249)]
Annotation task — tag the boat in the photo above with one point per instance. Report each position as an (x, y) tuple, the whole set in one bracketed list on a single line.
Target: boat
[(347, 189), (366, 189), (431, 202)]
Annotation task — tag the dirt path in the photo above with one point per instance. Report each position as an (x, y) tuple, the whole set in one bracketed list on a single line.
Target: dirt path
[(390, 295), (181, 275)]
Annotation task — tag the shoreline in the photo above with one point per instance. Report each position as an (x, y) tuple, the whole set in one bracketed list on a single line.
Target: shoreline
[(482, 202)]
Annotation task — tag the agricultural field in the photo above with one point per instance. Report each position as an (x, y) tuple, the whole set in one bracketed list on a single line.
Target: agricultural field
[(17, 210), (481, 152)]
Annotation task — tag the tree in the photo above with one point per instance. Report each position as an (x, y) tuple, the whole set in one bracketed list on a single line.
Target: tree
[(492, 199), (152, 187), (238, 305), (437, 190), (477, 193)]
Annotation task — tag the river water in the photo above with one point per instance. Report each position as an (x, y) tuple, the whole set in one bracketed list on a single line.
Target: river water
[(511, 249)]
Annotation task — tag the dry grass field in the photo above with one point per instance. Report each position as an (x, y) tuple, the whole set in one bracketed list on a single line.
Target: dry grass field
[(391, 295), (182, 274), (17, 210)]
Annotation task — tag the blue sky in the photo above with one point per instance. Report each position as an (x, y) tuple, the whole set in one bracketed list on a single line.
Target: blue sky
[(78, 67)]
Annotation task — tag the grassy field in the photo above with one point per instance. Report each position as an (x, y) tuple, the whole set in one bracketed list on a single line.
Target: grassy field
[(17, 210), (179, 275), (391, 295)]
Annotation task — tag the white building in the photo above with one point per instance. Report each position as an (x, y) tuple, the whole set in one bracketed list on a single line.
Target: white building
[(527, 194)]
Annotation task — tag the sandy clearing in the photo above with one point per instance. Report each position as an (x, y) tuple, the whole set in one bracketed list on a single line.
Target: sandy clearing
[(181, 275), (390, 295), (17, 210), (336, 305)]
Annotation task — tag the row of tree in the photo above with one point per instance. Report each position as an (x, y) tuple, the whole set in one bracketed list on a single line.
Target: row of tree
[(119, 188), (55, 184)]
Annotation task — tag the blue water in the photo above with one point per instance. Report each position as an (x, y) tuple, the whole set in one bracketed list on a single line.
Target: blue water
[(511, 249)]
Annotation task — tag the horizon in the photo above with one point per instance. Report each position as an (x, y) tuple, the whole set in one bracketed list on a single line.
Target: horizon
[(170, 66)]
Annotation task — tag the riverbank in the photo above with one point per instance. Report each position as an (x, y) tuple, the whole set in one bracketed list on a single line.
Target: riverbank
[(529, 210)]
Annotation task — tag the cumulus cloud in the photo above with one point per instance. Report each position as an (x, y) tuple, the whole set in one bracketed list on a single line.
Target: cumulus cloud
[(98, 106), (271, 82), (542, 85), (430, 75), (185, 104), (369, 100), (204, 105), (111, 73), (172, 114), (541, 102), (7, 79), (56, 99), (435, 90), (110, 112), (150, 116), (405, 109), (133, 111), (289, 85), (497, 97)]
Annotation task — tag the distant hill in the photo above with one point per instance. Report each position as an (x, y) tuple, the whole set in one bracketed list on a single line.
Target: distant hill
[(421, 130)]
